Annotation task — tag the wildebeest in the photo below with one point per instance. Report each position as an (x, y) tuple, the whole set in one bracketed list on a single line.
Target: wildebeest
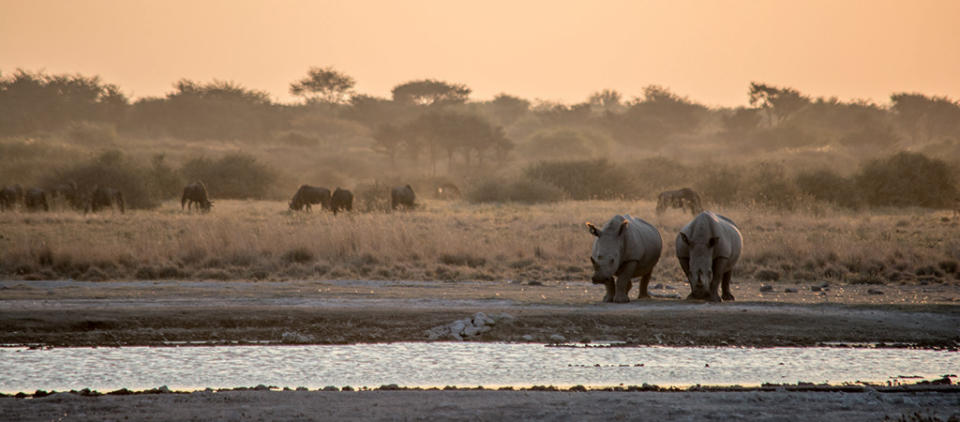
[(708, 248), (402, 196), (342, 200), (34, 199), (681, 198), (67, 193), (625, 247), (308, 195), (447, 191), (10, 196), (106, 198), (195, 195)]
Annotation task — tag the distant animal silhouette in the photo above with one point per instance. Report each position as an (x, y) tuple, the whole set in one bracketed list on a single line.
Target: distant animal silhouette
[(10, 196), (447, 191), (35, 199), (681, 198), (402, 196), (67, 194), (341, 200), (106, 198), (308, 195), (195, 195)]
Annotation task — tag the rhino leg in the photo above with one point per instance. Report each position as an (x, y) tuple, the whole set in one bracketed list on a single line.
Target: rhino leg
[(685, 266), (644, 281), (727, 296), (623, 282), (611, 290), (718, 265)]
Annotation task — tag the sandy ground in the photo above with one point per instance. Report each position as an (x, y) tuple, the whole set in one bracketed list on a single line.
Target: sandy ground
[(488, 405), (324, 312)]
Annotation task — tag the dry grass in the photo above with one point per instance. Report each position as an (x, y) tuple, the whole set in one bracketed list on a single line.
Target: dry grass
[(458, 241)]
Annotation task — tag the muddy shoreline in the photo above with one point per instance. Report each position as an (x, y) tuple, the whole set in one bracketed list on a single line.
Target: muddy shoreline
[(67, 323)]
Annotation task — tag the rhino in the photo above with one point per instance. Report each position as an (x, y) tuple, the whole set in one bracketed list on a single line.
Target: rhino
[(708, 248), (625, 247)]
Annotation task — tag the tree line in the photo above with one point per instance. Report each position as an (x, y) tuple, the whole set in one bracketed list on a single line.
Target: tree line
[(437, 121)]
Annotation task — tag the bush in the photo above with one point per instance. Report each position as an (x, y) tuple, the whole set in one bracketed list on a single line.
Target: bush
[(521, 190), (586, 179), (562, 143), (720, 184), (372, 197), (906, 179), (111, 169), (235, 176), (92, 133), (825, 185)]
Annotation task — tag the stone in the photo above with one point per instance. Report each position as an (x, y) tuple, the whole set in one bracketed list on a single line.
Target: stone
[(557, 338), (790, 290), (766, 288), (875, 292)]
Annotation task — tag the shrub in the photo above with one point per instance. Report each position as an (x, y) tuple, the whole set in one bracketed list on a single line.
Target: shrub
[(111, 169), (720, 184), (521, 190), (825, 185), (92, 133), (298, 255), (561, 143), (372, 197), (586, 179), (906, 179), (236, 176)]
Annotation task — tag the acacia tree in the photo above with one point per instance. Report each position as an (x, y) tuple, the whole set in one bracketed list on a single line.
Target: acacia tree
[(324, 84), (926, 118), (429, 92), (781, 102), (388, 139)]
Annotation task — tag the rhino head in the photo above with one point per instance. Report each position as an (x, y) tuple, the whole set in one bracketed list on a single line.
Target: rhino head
[(701, 242), (606, 250)]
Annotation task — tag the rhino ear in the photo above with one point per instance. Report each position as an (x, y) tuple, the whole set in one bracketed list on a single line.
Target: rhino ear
[(623, 225), (593, 229), (684, 238)]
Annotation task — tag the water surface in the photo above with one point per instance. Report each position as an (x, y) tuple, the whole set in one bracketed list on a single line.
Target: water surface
[(458, 364)]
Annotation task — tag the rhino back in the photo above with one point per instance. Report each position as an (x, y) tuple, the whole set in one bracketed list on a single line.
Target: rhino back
[(642, 243)]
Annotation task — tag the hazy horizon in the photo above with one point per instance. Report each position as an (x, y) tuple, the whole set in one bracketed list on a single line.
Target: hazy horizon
[(707, 51)]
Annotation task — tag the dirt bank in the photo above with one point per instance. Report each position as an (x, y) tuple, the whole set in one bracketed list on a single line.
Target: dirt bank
[(325, 312)]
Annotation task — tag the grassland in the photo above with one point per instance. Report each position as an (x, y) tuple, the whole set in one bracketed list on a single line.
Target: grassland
[(456, 241)]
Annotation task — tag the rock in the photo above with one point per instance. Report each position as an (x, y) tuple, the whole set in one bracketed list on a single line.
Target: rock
[(527, 337), (303, 388), (477, 324), (815, 288), (875, 292), (346, 388), (658, 286), (766, 288), (789, 290), (557, 338), (534, 283), (330, 388), (471, 331)]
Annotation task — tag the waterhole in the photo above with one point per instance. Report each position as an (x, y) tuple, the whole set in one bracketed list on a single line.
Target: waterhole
[(456, 364)]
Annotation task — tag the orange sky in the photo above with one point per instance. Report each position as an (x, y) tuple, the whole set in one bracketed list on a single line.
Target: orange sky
[(554, 50)]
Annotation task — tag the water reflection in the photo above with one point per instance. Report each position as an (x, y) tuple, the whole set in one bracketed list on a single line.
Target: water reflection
[(460, 364)]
